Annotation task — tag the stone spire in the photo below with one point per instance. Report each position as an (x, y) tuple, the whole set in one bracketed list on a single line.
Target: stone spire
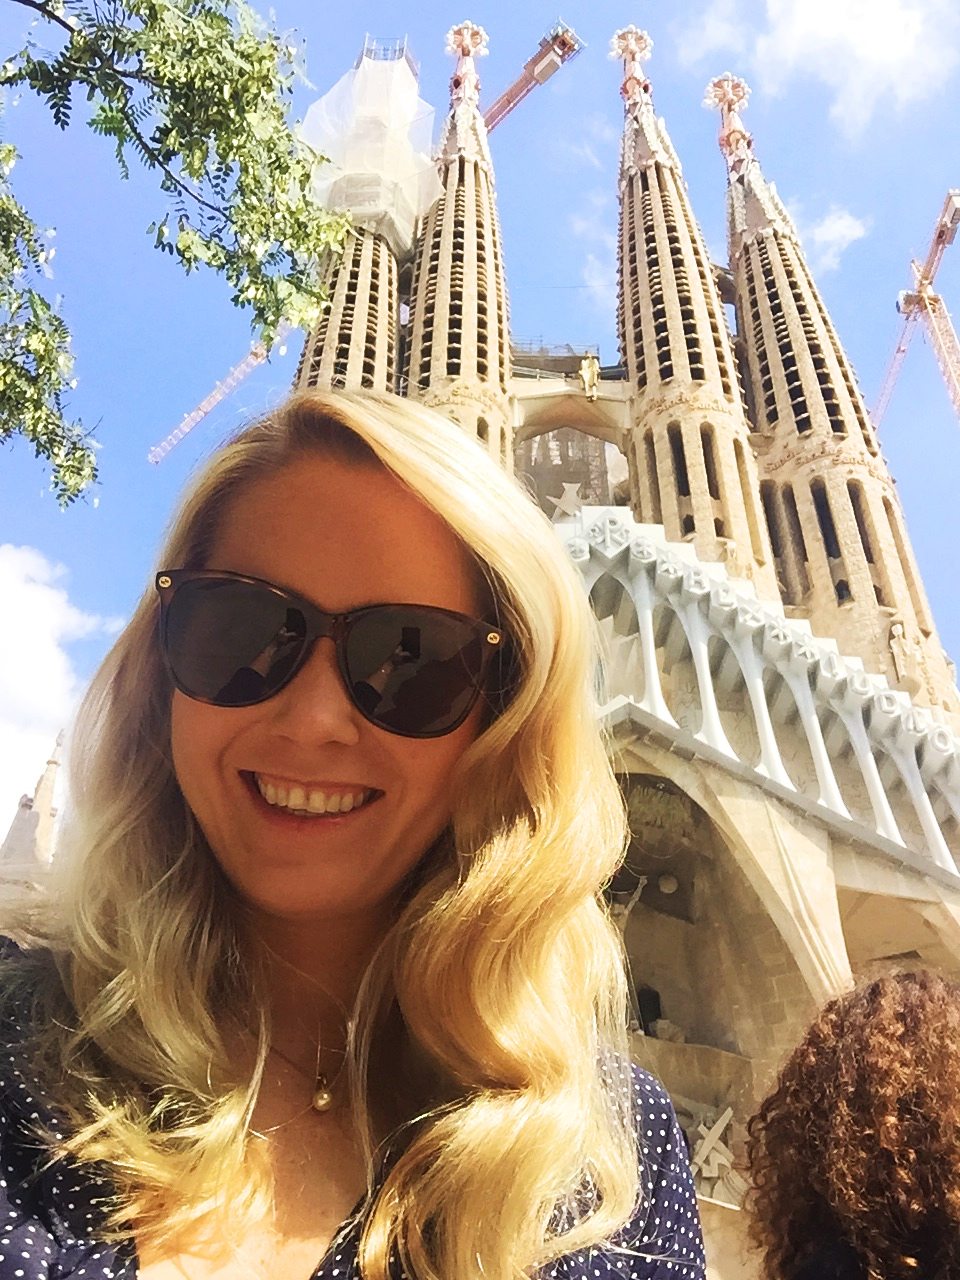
[(375, 132), (835, 523), (355, 342), (458, 352), (691, 462), (28, 845)]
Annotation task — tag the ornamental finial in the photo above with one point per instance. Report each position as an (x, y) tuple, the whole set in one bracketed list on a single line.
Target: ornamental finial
[(634, 47), (731, 94), (466, 41)]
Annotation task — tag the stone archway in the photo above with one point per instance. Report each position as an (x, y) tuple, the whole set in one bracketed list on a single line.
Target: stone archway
[(563, 438)]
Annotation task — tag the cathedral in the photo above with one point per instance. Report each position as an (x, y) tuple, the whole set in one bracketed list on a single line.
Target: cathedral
[(782, 715)]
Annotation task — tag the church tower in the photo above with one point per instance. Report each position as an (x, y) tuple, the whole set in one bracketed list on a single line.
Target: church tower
[(843, 557), (355, 342), (376, 133), (458, 351), (689, 451)]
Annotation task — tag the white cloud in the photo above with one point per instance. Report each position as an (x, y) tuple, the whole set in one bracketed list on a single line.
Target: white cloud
[(827, 240), (718, 29), (39, 686), (598, 263), (868, 53)]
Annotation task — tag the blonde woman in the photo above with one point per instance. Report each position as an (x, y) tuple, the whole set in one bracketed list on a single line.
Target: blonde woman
[(324, 986)]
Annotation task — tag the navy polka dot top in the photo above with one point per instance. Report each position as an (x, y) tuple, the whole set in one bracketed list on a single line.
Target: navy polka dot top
[(51, 1218)]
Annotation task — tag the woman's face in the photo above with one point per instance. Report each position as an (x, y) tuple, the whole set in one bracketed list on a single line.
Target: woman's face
[(343, 535)]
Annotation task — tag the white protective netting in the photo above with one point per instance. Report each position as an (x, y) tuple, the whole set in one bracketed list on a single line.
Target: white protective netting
[(377, 133)]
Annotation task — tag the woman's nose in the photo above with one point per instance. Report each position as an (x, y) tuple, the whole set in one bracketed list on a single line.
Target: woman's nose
[(315, 704)]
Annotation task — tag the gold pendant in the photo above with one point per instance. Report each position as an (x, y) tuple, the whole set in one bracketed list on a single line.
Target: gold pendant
[(322, 1097)]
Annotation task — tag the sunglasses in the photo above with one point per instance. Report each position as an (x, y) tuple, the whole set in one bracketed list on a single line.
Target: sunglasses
[(234, 641)]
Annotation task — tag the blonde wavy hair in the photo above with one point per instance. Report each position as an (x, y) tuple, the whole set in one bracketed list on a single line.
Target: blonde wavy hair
[(502, 964)]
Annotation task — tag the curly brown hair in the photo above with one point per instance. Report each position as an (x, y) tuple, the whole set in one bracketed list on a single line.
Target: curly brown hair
[(860, 1139)]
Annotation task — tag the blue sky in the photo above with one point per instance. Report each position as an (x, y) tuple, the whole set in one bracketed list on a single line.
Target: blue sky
[(852, 114)]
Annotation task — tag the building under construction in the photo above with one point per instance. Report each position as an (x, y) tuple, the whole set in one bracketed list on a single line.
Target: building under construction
[(783, 714)]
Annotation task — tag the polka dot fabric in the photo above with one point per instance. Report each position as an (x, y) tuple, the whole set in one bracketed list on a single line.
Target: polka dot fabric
[(51, 1219)]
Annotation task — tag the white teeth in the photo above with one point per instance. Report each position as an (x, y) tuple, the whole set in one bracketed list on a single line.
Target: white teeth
[(310, 802)]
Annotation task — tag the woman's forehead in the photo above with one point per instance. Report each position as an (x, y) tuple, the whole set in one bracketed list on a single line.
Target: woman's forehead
[(344, 534)]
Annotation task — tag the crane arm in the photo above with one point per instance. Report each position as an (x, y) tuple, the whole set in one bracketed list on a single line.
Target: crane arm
[(896, 360), (256, 356), (946, 347), (558, 46), (944, 233), (924, 302)]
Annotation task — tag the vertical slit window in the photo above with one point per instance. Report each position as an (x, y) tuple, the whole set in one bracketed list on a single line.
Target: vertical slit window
[(798, 545), (868, 540), (709, 461), (677, 453), (768, 500), (831, 543), (756, 541), (653, 480)]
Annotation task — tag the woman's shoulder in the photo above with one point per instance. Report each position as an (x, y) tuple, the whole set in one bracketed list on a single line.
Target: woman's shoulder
[(663, 1239), (51, 1212)]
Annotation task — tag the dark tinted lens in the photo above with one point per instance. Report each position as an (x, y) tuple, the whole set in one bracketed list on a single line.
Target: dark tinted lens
[(232, 643), (414, 671)]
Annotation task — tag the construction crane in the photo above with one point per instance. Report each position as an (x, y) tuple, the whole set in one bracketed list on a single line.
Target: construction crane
[(921, 302), (559, 45)]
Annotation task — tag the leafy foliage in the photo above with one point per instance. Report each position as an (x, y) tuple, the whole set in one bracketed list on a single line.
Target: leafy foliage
[(36, 364), (196, 90)]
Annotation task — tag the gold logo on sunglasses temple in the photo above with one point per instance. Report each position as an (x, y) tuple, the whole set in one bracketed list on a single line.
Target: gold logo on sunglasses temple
[(164, 580), (493, 637)]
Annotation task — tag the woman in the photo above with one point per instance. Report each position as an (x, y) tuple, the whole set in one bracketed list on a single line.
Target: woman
[(327, 976), (855, 1155)]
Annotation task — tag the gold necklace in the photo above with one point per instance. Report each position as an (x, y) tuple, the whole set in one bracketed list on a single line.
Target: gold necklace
[(323, 1098)]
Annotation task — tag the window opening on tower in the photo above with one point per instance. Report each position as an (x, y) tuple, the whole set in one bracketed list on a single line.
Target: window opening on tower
[(749, 507), (827, 389), (713, 303), (630, 293), (483, 332), (713, 478), (759, 341), (768, 502), (797, 542), (455, 307), (831, 543), (653, 479), (435, 232), (684, 294), (681, 478), (788, 359), (658, 305), (861, 514)]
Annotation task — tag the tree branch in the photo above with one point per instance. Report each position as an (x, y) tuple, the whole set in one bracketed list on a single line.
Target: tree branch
[(47, 12)]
